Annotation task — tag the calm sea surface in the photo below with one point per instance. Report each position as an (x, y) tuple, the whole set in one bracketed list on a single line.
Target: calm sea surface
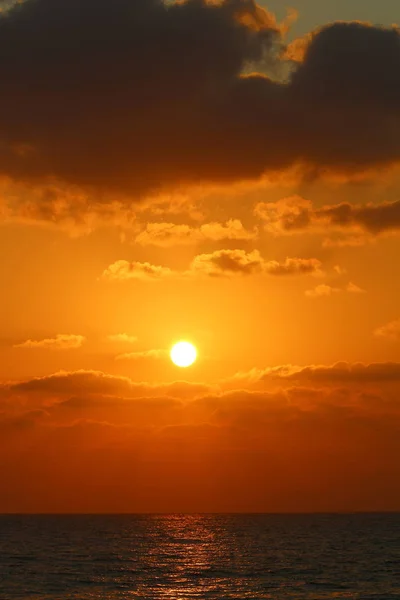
[(200, 556)]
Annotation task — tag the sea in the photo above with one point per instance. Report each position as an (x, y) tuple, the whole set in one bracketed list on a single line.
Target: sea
[(179, 557)]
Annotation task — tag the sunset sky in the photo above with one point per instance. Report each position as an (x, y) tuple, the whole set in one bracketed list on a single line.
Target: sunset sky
[(221, 172)]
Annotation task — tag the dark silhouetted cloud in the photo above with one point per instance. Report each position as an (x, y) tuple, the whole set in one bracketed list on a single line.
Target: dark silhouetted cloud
[(90, 383), (373, 219), (135, 96), (272, 446), (339, 373), (297, 215)]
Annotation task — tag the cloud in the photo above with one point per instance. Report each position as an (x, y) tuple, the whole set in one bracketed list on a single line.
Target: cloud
[(228, 262), (345, 73), (321, 290), (122, 270), (49, 390), (390, 331), (220, 263), (144, 355), (87, 382), (170, 234), (288, 215), (339, 270), (352, 288), (327, 290), (123, 338), (91, 383), (204, 448), (240, 262), (296, 50), (60, 342), (297, 215), (178, 202), (145, 138), (372, 218), (294, 266), (346, 241), (68, 207), (21, 422), (116, 111), (341, 372)]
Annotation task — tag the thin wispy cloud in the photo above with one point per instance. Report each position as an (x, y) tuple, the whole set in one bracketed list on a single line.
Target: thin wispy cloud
[(390, 331), (123, 338), (325, 290), (154, 354), (59, 342)]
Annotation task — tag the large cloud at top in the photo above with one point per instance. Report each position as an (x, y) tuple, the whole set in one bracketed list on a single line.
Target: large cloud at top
[(132, 96)]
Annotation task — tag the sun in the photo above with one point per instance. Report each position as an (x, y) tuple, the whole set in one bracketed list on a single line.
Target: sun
[(183, 354)]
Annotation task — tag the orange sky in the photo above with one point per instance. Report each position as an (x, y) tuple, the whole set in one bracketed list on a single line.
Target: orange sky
[(151, 189)]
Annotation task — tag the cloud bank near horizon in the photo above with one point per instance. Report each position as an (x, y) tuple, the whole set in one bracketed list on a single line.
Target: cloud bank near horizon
[(276, 439)]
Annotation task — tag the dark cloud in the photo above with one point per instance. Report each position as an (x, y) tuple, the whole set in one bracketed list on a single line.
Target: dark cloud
[(243, 449), (133, 96), (20, 422), (89, 383), (295, 214), (339, 373), (305, 394), (350, 82), (123, 94), (294, 266), (146, 412), (372, 218)]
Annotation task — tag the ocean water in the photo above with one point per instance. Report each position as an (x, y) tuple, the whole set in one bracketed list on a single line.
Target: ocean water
[(200, 556)]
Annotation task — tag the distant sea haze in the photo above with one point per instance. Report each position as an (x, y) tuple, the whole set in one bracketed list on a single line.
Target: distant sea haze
[(178, 557)]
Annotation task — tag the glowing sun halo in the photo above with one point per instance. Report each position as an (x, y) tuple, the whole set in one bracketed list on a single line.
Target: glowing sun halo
[(183, 354)]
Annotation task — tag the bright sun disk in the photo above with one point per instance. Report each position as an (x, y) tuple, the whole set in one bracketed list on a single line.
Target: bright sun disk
[(183, 354)]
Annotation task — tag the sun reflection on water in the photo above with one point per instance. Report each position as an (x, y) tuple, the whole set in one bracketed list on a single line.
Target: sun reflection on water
[(217, 557)]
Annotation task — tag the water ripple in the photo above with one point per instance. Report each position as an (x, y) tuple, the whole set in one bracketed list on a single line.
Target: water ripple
[(230, 557)]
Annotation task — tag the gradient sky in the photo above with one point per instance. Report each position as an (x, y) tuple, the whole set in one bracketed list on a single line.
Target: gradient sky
[(224, 174)]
